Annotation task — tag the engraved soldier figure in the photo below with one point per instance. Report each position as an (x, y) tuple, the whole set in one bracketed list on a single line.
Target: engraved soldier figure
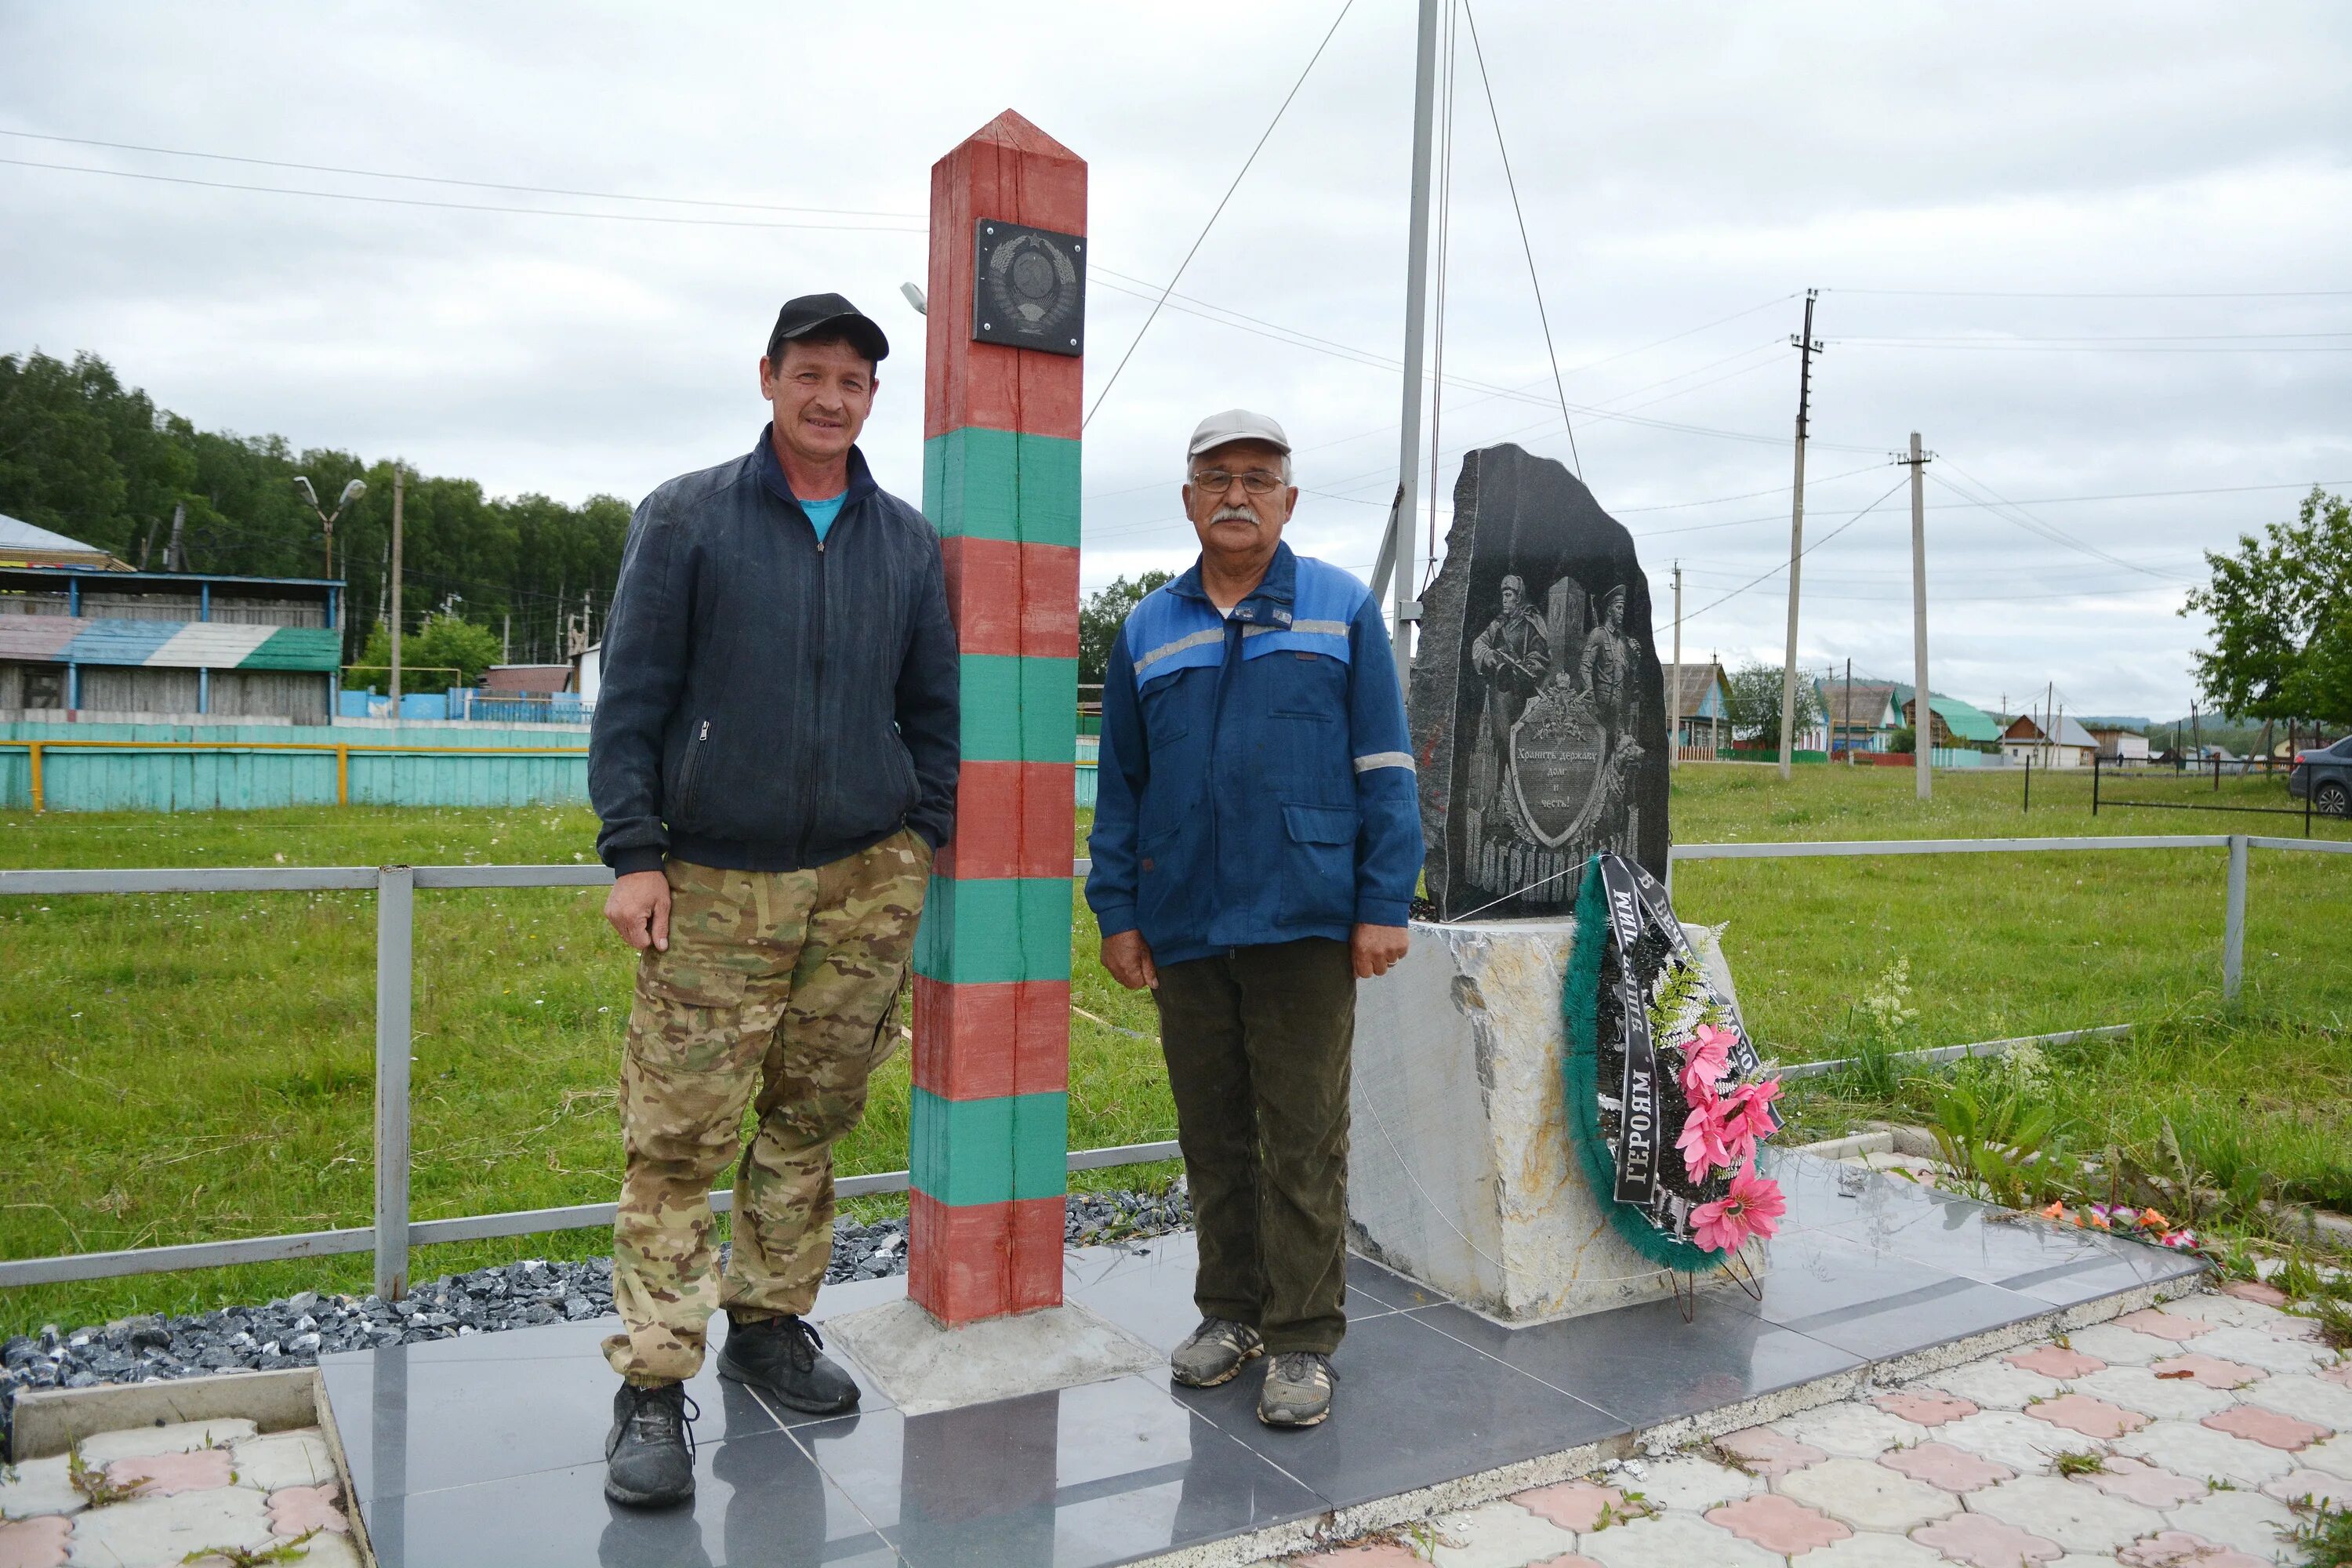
[(1512, 653), (1606, 669)]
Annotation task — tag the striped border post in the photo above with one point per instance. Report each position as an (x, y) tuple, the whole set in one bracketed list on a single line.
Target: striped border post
[(990, 1118)]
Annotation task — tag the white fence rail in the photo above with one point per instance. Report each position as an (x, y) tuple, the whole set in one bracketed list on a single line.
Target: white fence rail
[(393, 1232)]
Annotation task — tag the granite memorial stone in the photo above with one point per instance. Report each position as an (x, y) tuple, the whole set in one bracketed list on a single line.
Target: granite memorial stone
[(1537, 706)]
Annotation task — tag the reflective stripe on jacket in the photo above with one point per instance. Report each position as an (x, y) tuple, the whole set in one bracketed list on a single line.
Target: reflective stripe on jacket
[(1255, 783)]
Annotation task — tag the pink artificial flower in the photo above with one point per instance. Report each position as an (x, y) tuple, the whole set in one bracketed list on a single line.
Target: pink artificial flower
[(1748, 1109), (1704, 1059), (1753, 1208), (1702, 1142)]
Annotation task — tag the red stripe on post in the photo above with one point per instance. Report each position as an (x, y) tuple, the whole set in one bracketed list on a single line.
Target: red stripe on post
[(958, 1260), (1013, 819), (984, 1260), (1008, 170), (1035, 1280), (1013, 599), (982, 1042)]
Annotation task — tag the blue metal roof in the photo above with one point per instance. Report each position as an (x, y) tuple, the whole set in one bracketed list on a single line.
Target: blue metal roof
[(99, 575)]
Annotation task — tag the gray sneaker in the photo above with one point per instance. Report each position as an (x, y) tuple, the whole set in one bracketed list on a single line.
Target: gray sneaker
[(1298, 1391), (1212, 1352)]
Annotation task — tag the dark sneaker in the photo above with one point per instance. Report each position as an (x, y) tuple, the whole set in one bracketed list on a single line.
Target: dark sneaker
[(778, 1356), (649, 1454), (1298, 1391), (1212, 1352)]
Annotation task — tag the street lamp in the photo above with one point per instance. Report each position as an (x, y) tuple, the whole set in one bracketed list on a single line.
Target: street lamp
[(351, 493)]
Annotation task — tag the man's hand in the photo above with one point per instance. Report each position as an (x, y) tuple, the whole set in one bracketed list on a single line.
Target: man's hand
[(1377, 949), (1130, 960), (639, 910)]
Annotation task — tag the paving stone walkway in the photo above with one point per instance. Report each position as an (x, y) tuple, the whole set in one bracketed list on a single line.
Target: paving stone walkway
[(193, 1486), (2178, 1436)]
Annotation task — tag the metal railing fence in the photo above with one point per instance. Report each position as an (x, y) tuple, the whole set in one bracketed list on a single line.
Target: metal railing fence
[(393, 1232)]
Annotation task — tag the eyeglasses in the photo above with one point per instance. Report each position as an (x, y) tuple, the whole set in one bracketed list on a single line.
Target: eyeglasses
[(1256, 482)]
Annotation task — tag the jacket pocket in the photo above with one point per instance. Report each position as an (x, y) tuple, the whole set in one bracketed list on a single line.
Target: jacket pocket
[(689, 773), (1318, 865)]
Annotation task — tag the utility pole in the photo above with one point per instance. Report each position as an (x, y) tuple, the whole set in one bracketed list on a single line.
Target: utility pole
[(1847, 724), (1923, 750), (175, 556), (1416, 294), (1808, 347), (506, 638), (399, 485), (2049, 696)]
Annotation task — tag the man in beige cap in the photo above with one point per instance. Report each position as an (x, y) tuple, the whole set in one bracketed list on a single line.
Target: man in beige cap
[(1256, 845)]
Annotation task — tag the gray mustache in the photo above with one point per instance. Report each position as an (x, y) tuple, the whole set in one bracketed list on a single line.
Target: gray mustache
[(1235, 514)]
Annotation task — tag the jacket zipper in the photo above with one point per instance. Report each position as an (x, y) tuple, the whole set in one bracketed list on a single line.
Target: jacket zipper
[(1216, 738), (815, 752), (692, 770)]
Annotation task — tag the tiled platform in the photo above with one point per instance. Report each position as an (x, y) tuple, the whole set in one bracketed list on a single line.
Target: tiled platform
[(488, 1451)]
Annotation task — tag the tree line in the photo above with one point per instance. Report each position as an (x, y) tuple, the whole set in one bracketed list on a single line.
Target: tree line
[(85, 455)]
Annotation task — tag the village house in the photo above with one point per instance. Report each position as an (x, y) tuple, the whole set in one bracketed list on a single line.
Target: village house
[(1704, 724), (1862, 717), (2060, 743)]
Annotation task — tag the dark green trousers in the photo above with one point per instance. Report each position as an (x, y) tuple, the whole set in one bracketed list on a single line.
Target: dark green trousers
[(1258, 1041)]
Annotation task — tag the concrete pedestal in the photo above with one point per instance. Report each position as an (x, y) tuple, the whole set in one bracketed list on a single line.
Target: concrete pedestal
[(1460, 1172), (924, 1365)]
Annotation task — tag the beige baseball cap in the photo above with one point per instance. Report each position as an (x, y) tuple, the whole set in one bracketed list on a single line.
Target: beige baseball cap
[(1236, 424)]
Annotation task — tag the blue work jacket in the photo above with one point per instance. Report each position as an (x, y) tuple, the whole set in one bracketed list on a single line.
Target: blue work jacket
[(1256, 781)]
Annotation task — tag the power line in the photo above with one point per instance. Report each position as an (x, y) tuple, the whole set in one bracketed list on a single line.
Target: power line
[(2097, 294), (442, 179), (2010, 511), (458, 207), (1781, 567), (1515, 392), (2095, 338), (1535, 281), (1346, 5), (1744, 495)]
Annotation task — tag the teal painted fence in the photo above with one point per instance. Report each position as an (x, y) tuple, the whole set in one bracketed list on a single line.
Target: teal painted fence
[(439, 772), (448, 767)]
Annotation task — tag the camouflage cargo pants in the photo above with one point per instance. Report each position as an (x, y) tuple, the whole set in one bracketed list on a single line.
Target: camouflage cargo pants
[(779, 981)]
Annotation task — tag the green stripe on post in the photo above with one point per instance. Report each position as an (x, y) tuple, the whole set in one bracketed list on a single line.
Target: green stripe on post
[(998, 484), (989, 930), (965, 1151), (1017, 709)]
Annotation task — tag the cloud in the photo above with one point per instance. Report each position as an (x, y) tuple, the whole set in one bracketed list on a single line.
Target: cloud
[(1676, 167)]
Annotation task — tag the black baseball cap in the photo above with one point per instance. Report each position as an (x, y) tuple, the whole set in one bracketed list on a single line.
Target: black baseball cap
[(828, 313)]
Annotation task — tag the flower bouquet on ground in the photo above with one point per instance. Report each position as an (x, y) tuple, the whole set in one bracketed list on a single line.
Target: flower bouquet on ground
[(1667, 1100), (2123, 1219)]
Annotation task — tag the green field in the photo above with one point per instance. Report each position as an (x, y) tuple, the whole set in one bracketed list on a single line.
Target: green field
[(186, 1067)]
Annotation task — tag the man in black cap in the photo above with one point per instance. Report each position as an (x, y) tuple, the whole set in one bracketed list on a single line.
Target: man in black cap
[(775, 763)]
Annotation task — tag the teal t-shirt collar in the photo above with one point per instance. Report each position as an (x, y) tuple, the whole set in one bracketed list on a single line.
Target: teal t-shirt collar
[(822, 514)]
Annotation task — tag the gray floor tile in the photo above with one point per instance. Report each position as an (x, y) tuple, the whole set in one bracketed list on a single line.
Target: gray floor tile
[(1414, 1406), (1087, 1476), (1645, 1364), (759, 1501), (452, 1413)]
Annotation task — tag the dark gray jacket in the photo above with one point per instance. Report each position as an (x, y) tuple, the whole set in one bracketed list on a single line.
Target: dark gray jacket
[(769, 703)]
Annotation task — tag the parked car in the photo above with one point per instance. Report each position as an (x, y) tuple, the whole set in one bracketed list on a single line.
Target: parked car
[(2325, 776)]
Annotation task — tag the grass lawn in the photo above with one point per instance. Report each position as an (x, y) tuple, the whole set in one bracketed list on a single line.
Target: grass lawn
[(187, 1068)]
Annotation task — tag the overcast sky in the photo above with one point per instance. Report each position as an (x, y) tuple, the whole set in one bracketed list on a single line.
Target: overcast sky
[(2169, 182)]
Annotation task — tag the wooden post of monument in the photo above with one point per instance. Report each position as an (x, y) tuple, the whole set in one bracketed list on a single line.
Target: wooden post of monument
[(1001, 395)]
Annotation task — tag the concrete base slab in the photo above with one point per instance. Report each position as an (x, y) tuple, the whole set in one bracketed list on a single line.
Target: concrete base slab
[(925, 1366)]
